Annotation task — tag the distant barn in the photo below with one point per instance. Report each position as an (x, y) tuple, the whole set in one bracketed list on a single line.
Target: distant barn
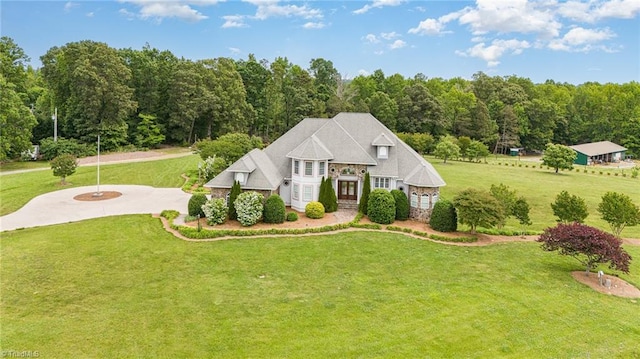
[(598, 152)]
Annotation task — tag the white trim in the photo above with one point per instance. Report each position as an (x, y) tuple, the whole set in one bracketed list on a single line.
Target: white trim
[(307, 197), (305, 168)]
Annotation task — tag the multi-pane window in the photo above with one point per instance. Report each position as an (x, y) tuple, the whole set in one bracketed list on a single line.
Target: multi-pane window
[(424, 201), (434, 199), (307, 196), (321, 165), (414, 200), (381, 182), (296, 191), (308, 168), (296, 167)]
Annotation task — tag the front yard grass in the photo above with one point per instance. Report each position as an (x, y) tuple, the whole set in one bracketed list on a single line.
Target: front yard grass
[(123, 287)]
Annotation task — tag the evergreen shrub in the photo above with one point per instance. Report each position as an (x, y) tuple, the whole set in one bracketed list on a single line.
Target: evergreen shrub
[(381, 207), (292, 217), (196, 202), (444, 217), (402, 204), (314, 210), (274, 209), (249, 207), (215, 210)]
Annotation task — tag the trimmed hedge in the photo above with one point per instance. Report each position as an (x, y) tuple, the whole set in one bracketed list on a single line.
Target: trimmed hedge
[(274, 210), (381, 207), (314, 210), (402, 204), (196, 202), (444, 217), (292, 217)]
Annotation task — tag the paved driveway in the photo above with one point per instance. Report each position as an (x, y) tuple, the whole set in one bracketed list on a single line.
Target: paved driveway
[(60, 207)]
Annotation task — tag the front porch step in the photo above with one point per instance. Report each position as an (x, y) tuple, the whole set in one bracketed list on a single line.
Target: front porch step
[(347, 205)]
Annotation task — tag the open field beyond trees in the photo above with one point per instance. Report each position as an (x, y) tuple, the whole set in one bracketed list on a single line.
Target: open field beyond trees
[(123, 287)]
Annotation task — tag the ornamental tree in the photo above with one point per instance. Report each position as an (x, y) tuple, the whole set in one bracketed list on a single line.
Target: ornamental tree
[(569, 208), (235, 192), (590, 246), (478, 208), (558, 156), (63, 166), (364, 199), (619, 211)]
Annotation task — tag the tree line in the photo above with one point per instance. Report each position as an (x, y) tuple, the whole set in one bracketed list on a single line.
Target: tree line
[(146, 97)]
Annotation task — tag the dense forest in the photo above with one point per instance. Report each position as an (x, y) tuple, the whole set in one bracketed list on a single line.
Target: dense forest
[(140, 98)]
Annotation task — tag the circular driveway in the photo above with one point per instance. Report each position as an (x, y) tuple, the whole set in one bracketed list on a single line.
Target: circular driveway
[(60, 207)]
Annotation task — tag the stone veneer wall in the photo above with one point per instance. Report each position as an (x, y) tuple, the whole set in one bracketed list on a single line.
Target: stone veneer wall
[(335, 170), (222, 192), (420, 214)]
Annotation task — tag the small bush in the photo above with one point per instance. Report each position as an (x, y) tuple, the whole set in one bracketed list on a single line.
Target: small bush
[(215, 210), (249, 207), (292, 217), (634, 172), (381, 207), (402, 204), (444, 217), (170, 214), (274, 209), (314, 210), (195, 204)]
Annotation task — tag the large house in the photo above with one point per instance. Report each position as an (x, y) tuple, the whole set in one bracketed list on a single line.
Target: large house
[(342, 148)]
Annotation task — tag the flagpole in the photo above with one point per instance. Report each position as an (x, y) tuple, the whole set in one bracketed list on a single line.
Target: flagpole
[(98, 193)]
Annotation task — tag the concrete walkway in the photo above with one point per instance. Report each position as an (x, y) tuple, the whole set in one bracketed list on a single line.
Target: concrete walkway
[(60, 207)]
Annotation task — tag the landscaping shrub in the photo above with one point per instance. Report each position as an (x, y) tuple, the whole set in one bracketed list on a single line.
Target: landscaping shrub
[(444, 217), (381, 207), (233, 195), (170, 214), (274, 209), (402, 204), (364, 198), (314, 210), (215, 210), (330, 197), (63, 166), (249, 207), (50, 149), (195, 204), (292, 217)]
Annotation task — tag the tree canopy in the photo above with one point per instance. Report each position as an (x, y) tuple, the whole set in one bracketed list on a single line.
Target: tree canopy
[(619, 211)]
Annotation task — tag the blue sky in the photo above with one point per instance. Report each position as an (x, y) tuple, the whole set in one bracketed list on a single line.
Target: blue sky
[(567, 41)]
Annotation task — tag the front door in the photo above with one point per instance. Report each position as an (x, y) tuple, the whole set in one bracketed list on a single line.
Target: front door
[(347, 190)]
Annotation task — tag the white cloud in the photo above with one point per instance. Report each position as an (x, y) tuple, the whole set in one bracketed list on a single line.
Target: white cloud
[(428, 27), (398, 44), (581, 39), (363, 72), (90, 14), (128, 14), (379, 52), (389, 35), (371, 38), (314, 25), (593, 11), (234, 50), (511, 16), (492, 53), (70, 5), (376, 4), (272, 8), (231, 21), (158, 10)]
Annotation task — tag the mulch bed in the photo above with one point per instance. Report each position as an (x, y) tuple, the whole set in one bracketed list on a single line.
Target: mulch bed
[(619, 287), (91, 196)]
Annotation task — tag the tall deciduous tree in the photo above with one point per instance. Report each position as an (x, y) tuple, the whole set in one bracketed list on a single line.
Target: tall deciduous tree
[(619, 211), (558, 156), (90, 84), (420, 111), (590, 246)]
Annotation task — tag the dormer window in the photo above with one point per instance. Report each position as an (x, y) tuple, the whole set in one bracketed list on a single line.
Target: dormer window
[(383, 152), (240, 177)]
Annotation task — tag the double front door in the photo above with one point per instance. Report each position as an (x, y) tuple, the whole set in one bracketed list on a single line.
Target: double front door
[(347, 190)]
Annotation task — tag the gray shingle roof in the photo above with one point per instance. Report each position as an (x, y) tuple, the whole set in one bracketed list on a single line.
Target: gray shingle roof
[(349, 138), (598, 148), (244, 164), (311, 149)]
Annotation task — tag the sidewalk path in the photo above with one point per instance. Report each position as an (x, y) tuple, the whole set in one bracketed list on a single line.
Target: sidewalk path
[(60, 207)]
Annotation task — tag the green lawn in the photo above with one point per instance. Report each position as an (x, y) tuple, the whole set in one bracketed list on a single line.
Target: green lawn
[(123, 287), (17, 189), (539, 187)]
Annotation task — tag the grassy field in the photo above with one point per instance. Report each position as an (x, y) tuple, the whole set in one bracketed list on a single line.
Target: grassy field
[(123, 287), (17, 189), (539, 187)]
